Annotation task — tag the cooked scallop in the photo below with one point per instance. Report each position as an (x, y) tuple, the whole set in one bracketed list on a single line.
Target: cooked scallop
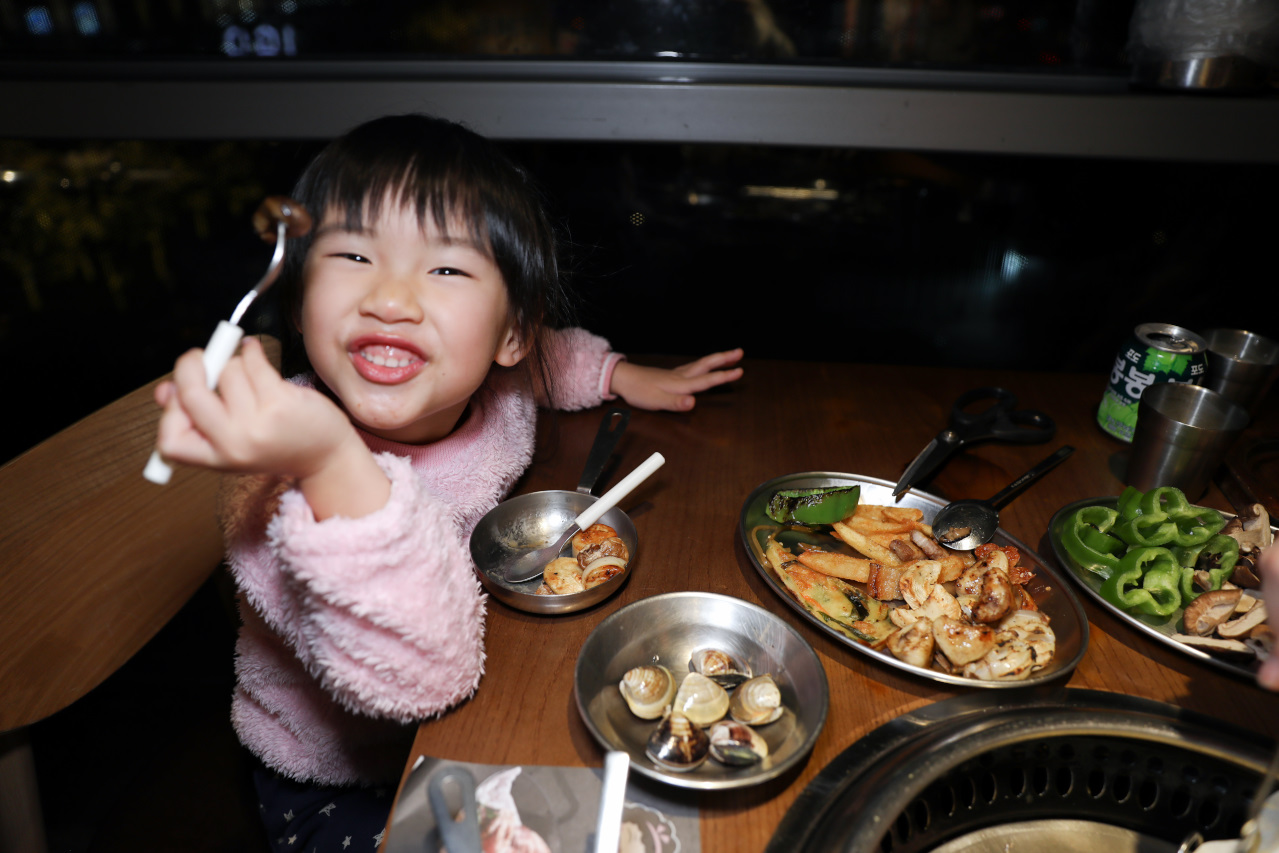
[(593, 535), (564, 576)]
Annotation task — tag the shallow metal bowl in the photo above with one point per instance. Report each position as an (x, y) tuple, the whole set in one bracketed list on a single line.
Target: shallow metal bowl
[(531, 521), (667, 629)]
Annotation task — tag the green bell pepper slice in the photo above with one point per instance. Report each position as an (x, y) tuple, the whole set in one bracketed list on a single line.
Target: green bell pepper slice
[(1129, 504), (1217, 557), (1146, 581), (1148, 530), (1086, 538), (1163, 516)]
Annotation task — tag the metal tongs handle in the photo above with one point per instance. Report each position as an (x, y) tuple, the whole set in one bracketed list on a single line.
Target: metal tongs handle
[(289, 218)]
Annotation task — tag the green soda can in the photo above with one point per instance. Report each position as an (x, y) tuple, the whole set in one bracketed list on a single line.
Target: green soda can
[(1154, 352)]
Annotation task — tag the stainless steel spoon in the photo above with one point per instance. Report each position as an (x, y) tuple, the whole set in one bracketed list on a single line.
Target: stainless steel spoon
[(963, 525)]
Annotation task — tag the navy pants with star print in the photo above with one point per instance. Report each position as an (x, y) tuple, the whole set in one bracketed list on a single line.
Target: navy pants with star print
[(306, 818)]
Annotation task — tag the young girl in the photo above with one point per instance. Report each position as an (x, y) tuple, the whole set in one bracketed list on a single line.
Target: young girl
[(424, 299)]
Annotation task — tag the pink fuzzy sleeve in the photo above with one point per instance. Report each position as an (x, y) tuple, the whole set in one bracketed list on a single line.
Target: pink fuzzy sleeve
[(390, 614), (581, 365)]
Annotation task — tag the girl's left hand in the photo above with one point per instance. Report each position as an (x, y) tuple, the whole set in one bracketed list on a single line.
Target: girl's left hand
[(673, 390)]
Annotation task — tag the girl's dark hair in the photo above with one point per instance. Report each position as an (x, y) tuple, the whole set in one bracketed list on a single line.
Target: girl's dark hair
[(454, 176)]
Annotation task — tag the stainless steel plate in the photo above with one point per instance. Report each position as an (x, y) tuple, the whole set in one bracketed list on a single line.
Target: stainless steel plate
[(667, 629), (1052, 593), (533, 520), (1159, 629)]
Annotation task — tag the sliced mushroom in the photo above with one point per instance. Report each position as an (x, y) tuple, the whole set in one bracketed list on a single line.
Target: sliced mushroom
[(1256, 528), (1262, 641), (1246, 603), (905, 550), (1245, 572), (1242, 626), (1210, 610), (928, 546), (1226, 648)]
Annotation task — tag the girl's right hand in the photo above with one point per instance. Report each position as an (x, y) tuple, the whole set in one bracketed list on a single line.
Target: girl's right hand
[(256, 422)]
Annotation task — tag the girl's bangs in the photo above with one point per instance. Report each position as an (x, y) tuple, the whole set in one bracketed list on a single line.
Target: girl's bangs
[(444, 201)]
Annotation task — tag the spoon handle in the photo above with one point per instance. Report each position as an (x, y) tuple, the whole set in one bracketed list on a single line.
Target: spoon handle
[(1016, 486), (611, 498)]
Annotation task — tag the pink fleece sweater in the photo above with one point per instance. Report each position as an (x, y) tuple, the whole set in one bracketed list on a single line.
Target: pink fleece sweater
[(355, 629)]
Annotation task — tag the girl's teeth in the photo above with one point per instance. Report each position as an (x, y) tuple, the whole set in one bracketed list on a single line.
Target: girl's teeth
[(386, 362)]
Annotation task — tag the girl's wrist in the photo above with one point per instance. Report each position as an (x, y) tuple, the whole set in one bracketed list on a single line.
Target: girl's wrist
[(349, 483)]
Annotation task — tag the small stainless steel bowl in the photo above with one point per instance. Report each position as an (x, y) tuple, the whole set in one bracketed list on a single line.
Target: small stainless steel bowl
[(667, 629), (531, 521)]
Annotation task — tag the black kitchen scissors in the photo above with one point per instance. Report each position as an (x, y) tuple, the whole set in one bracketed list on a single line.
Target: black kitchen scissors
[(998, 420)]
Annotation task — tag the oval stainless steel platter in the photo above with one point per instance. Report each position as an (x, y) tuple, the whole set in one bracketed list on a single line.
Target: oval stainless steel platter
[(1053, 594)]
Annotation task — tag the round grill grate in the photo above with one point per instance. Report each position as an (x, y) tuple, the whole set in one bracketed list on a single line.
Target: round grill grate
[(1147, 788), (976, 762)]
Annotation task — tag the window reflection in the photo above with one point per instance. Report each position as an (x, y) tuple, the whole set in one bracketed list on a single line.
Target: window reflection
[(974, 34)]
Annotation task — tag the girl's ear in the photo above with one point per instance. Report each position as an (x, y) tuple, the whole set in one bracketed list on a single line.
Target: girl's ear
[(512, 349)]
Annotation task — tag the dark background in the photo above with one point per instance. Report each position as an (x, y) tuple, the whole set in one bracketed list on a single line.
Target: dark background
[(122, 254)]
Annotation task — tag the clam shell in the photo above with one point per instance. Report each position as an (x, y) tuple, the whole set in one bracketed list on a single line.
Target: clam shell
[(756, 702), (701, 699), (647, 690), (720, 667), (677, 744), (736, 744)]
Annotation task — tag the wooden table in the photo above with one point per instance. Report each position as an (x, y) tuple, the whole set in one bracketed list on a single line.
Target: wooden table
[(781, 418)]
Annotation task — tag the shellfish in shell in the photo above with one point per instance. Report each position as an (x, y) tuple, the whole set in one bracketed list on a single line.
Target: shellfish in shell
[(647, 690), (756, 702), (677, 744), (736, 745), (720, 667), (701, 699)]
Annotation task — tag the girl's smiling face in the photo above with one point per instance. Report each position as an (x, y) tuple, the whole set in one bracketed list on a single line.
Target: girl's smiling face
[(403, 321)]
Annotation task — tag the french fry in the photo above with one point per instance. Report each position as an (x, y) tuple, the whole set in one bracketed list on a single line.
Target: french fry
[(836, 565), (864, 545), (884, 519)]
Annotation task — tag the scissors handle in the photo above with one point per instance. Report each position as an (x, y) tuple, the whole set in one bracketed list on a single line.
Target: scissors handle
[(1000, 419)]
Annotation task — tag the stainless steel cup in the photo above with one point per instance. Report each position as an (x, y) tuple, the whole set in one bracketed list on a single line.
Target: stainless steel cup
[(1183, 432), (1241, 365)]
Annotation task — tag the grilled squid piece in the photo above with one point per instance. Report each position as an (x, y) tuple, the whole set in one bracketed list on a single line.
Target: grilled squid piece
[(914, 644), (962, 642), (1023, 644)]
